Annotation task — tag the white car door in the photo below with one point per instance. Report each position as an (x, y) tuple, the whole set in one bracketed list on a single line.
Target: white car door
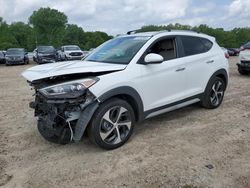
[(199, 63), (164, 83)]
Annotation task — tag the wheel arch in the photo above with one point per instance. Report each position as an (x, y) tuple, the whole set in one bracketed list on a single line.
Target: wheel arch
[(128, 94), (222, 73)]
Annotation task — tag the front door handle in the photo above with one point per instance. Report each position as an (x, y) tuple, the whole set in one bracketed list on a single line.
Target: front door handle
[(209, 62), (180, 69)]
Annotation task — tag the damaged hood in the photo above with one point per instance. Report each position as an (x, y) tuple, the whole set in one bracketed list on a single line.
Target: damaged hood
[(69, 67)]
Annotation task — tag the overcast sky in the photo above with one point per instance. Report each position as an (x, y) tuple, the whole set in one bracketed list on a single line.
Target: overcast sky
[(119, 16)]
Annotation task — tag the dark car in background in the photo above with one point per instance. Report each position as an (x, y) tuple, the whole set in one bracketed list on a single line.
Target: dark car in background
[(16, 56), (45, 54), (2, 57), (233, 51)]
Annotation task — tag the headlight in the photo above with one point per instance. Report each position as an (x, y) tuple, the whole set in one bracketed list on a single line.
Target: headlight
[(7, 58), (70, 91)]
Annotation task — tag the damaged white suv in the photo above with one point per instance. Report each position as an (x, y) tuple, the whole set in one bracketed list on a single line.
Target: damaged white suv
[(124, 81)]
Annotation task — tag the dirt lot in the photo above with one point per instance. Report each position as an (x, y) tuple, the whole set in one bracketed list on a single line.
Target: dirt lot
[(172, 150)]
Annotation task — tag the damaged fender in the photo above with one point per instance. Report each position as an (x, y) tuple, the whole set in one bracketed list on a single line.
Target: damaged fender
[(85, 117)]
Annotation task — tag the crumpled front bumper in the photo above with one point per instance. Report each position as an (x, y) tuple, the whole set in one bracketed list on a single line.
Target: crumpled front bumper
[(55, 115)]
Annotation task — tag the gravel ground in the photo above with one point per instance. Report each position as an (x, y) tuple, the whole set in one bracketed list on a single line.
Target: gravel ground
[(191, 147)]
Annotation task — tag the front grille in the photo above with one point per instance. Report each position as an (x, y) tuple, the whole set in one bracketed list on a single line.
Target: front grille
[(75, 53)]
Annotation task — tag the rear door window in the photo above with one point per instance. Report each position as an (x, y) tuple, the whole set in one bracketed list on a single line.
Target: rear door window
[(195, 45)]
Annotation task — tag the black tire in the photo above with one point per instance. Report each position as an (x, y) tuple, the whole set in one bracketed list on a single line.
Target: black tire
[(99, 125), (63, 138), (211, 99), (242, 72)]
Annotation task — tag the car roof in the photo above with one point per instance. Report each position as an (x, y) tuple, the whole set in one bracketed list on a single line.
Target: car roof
[(15, 49), (70, 46), (169, 33)]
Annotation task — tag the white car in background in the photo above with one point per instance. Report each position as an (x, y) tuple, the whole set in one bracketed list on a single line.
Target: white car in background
[(244, 64), (71, 52)]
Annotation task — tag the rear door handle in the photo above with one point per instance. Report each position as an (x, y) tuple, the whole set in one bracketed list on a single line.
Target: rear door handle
[(180, 69), (209, 62)]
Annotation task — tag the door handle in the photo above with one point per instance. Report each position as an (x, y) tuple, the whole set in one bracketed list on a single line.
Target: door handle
[(180, 69), (209, 62)]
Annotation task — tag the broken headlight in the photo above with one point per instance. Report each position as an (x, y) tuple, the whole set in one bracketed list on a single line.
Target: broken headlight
[(69, 90)]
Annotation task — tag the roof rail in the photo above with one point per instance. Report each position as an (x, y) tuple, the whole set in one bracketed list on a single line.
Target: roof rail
[(191, 31), (132, 32)]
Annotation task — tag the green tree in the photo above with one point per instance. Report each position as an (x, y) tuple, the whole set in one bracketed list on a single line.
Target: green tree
[(74, 35), (49, 25), (6, 39), (23, 34)]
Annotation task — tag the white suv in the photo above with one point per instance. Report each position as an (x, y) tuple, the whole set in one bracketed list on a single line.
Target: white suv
[(124, 81), (71, 52), (244, 64)]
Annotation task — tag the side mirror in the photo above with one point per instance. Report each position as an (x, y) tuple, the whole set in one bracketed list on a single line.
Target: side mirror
[(153, 58)]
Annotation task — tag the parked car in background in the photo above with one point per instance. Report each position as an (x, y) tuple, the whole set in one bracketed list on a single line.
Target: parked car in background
[(45, 54), (16, 56), (2, 57), (60, 55), (225, 51), (35, 55), (71, 52), (244, 64), (126, 80), (233, 51)]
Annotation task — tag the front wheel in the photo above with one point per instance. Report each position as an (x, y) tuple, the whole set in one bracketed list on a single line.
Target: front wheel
[(112, 124), (214, 93)]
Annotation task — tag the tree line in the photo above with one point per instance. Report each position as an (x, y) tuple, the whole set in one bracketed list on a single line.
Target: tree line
[(230, 39), (48, 26)]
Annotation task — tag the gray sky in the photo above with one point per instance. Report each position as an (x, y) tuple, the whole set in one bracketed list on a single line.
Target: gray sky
[(119, 16)]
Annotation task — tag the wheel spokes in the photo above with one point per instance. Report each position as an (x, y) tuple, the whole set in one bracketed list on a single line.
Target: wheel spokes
[(107, 117), (118, 137), (121, 111), (115, 125), (217, 93), (105, 135)]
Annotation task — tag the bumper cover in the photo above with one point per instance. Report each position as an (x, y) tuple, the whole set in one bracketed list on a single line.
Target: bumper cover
[(244, 65), (57, 117)]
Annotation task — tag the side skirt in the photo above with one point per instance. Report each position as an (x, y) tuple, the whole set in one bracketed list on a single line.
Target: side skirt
[(172, 106)]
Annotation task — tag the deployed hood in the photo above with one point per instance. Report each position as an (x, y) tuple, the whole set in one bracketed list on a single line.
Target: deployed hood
[(69, 67)]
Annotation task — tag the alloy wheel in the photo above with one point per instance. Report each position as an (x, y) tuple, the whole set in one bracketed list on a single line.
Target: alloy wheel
[(217, 93), (115, 125)]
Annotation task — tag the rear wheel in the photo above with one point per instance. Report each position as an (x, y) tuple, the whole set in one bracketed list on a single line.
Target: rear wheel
[(214, 93), (112, 124)]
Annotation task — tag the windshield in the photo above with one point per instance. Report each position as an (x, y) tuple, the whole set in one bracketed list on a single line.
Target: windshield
[(71, 48), (15, 52), (119, 50), (45, 49)]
